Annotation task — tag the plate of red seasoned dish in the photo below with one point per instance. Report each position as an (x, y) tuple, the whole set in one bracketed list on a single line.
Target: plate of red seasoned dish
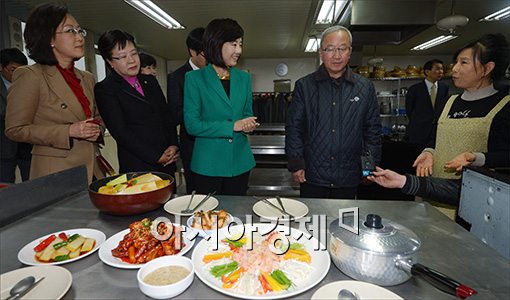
[(141, 242)]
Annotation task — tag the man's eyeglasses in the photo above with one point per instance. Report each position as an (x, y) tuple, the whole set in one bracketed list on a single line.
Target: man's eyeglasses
[(125, 56), (333, 50), (74, 31)]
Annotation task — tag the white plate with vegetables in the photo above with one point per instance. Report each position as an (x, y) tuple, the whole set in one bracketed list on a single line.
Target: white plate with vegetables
[(238, 270), (61, 247)]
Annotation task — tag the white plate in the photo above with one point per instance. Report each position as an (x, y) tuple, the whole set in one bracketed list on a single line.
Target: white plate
[(296, 208), (321, 262), (174, 206), (27, 254), (105, 253), (55, 284), (364, 290), (204, 233)]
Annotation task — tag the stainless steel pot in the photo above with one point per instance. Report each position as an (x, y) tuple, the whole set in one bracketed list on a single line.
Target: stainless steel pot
[(384, 254)]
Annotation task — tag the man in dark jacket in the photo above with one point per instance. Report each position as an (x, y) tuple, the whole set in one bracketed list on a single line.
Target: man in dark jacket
[(175, 94), (332, 120), (12, 153)]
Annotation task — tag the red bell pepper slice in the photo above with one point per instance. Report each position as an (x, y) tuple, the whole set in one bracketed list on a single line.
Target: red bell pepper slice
[(265, 285), (45, 243), (63, 236)]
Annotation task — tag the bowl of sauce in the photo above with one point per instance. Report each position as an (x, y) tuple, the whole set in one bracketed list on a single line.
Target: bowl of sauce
[(166, 277)]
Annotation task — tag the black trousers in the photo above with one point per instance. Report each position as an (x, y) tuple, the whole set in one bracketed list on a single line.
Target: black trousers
[(314, 191), (236, 186)]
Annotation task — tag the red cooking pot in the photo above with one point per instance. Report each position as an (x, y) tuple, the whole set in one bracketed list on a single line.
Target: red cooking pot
[(130, 204)]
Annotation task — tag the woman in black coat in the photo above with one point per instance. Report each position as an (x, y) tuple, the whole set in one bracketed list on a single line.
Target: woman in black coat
[(134, 109)]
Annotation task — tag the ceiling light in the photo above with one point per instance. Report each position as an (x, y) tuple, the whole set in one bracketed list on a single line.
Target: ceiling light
[(434, 42), (154, 12), (313, 44), (499, 15), (329, 11)]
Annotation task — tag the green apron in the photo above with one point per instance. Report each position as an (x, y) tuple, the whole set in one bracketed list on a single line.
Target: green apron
[(455, 136)]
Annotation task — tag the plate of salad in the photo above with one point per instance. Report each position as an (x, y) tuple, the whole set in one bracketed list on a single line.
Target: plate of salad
[(61, 247), (255, 262)]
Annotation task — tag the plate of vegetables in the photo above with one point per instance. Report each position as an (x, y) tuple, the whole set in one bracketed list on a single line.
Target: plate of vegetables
[(61, 247), (252, 262)]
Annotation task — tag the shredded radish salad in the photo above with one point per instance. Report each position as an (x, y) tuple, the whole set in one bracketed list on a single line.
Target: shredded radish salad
[(259, 270)]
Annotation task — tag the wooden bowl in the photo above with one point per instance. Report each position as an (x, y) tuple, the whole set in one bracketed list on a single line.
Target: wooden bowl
[(130, 204)]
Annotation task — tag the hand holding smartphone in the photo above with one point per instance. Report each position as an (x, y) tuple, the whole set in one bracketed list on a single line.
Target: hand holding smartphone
[(367, 165)]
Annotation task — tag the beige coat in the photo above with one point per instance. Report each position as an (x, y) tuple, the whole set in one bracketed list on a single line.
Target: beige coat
[(40, 108)]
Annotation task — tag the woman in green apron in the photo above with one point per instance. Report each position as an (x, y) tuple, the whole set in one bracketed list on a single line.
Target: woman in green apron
[(478, 120)]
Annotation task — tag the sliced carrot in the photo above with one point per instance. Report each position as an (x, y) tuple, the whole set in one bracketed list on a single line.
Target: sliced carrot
[(228, 281), (131, 253)]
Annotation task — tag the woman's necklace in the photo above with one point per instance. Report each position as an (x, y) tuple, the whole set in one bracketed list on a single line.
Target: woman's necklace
[(225, 72), (223, 77)]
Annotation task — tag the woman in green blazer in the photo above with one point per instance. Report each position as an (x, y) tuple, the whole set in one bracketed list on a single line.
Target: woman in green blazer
[(218, 111)]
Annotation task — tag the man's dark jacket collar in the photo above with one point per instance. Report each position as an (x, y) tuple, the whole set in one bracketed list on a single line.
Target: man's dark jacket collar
[(322, 74)]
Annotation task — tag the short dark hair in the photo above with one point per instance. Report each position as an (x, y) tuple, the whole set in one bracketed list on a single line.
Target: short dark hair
[(218, 32), (194, 39), (428, 65), (147, 60), (109, 39), (490, 47), (14, 55), (42, 23)]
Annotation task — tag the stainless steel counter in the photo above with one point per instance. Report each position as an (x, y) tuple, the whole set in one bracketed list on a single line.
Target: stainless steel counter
[(445, 246)]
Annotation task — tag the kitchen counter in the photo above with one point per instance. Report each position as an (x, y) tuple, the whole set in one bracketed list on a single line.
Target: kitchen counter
[(446, 247)]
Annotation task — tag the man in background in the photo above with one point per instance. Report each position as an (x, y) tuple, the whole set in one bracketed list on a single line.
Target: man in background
[(148, 64), (175, 94), (12, 153), (332, 120), (424, 103)]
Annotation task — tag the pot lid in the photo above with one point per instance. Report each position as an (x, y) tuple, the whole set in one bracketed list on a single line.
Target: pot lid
[(376, 235)]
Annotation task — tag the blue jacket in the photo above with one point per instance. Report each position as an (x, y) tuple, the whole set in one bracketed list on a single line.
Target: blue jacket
[(328, 123)]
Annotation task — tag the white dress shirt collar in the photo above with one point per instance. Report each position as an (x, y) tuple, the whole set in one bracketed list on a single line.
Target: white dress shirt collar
[(193, 66), (430, 84), (7, 83)]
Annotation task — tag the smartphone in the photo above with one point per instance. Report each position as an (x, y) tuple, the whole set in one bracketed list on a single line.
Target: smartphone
[(367, 165)]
